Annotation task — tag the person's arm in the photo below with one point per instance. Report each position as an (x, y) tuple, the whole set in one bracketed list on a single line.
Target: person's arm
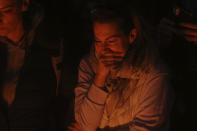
[(155, 105), (189, 32), (89, 99), (167, 30)]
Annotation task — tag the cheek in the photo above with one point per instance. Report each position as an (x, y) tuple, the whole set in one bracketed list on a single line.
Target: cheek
[(120, 47), (117, 48), (9, 24), (12, 19)]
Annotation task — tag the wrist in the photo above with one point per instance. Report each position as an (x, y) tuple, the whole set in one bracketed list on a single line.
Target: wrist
[(99, 80), (101, 87)]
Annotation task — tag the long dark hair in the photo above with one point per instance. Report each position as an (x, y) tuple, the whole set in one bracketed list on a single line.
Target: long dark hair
[(143, 53)]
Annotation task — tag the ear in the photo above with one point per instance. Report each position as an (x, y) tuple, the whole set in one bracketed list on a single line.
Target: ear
[(132, 35), (25, 5)]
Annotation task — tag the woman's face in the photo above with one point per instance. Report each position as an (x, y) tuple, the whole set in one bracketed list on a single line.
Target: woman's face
[(108, 36), (10, 17)]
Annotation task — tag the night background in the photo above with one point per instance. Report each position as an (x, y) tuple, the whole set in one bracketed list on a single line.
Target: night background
[(68, 21)]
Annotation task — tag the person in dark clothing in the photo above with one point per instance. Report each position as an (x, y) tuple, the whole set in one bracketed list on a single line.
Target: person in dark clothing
[(29, 75), (178, 39)]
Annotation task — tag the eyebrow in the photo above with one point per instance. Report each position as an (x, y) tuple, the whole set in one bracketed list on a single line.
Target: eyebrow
[(116, 35)]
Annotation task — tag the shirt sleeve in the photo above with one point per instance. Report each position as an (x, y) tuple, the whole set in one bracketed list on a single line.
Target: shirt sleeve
[(89, 99), (155, 105)]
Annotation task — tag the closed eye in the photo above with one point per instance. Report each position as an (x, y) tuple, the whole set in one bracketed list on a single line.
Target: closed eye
[(111, 41), (8, 10), (98, 42)]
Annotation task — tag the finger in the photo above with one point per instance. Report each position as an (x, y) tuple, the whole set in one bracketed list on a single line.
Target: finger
[(111, 61), (190, 32), (70, 128), (188, 25), (111, 58), (112, 66), (113, 54), (106, 52), (73, 129), (106, 63), (191, 39), (76, 126)]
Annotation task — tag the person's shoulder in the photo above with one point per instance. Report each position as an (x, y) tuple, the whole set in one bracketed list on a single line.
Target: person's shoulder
[(85, 61), (158, 80), (85, 58), (159, 69), (86, 64)]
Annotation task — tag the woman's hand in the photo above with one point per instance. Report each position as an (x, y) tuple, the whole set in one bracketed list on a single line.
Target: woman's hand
[(74, 127)]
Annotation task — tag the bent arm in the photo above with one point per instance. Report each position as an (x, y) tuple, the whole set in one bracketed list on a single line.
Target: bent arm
[(89, 99)]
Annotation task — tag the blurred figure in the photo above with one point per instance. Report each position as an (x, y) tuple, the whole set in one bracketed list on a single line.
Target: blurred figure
[(29, 76), (178, 39), (122, 84)]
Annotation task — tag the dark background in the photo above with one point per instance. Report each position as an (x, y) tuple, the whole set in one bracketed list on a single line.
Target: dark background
[(69, 20)]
